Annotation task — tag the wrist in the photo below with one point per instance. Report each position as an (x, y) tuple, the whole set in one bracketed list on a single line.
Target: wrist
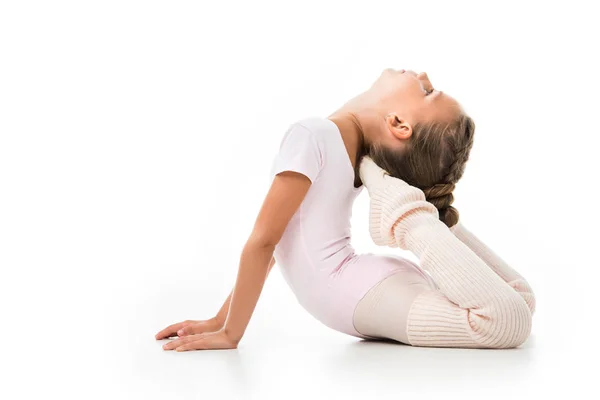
[(220, 319), (232, 335)]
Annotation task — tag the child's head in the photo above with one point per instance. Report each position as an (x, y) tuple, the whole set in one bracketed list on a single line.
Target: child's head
[(417, 134)]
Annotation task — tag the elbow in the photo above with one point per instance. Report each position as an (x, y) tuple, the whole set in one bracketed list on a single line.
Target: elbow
[(262, 240)]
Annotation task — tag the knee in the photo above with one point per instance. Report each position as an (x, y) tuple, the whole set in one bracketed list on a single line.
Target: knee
[(522, 287), (506, 324)]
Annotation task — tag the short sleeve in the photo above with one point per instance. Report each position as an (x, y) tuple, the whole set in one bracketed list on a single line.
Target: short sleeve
[(299, 151)]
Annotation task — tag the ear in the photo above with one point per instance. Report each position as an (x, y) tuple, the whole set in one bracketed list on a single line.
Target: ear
[(399, 126)]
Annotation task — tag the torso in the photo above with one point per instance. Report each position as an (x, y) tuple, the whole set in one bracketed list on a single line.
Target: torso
[(315, 254), (317, 238)]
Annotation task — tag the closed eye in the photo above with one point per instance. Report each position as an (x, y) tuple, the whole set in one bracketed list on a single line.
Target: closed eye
[(427, 93)]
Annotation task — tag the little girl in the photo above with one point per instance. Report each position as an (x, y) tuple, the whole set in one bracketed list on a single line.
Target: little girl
[(408, 144)]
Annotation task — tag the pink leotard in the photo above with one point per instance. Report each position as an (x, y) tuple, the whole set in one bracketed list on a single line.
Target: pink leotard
[(315, 254)]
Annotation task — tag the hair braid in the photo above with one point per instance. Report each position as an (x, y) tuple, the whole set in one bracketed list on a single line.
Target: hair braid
[(441, 195)]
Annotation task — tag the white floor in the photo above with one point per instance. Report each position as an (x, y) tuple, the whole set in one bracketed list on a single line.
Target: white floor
[(107, 350)]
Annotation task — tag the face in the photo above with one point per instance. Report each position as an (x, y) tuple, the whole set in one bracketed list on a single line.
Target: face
[(405, 98)]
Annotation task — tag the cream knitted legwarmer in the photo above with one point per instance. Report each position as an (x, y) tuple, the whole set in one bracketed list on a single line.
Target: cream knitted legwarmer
[(497, 264), (474, 307)]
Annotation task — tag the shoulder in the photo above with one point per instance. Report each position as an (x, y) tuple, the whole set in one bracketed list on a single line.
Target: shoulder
[(315, 128), (317, 125), (302, 149)]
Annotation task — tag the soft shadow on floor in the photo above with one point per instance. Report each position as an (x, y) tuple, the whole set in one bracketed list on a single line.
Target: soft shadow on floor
[(395, 360)]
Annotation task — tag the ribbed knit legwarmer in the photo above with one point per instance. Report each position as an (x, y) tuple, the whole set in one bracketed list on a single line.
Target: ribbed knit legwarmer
[(497, 264), (474, 306)]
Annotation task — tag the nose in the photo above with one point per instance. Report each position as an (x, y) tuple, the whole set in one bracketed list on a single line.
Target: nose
[(423, 77)]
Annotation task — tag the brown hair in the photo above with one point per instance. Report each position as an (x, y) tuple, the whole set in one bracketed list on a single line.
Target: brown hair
[(433, 160)]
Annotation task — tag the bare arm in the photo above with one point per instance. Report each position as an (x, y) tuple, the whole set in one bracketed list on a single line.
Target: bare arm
[(282, 201), (224, 311), (192, 327)]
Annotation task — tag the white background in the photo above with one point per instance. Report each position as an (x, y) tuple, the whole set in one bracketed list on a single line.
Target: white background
[(136, 141)]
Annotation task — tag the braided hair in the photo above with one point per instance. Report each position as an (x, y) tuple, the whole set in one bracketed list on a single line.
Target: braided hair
[(434, 160)]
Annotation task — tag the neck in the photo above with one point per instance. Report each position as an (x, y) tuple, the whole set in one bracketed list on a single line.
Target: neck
[(352, 128)]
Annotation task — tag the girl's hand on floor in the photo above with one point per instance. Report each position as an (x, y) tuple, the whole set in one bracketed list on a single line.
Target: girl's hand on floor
[(202, 341), (190, 327)]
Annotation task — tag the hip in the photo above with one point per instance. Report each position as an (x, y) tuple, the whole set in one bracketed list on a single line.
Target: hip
[(332, 297)]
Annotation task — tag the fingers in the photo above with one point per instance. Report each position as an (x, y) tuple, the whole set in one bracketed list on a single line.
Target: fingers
[(193, 329), (187, 330), (202, 341), (198, 344), (189, 327), (173, 344), (171, 330)]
